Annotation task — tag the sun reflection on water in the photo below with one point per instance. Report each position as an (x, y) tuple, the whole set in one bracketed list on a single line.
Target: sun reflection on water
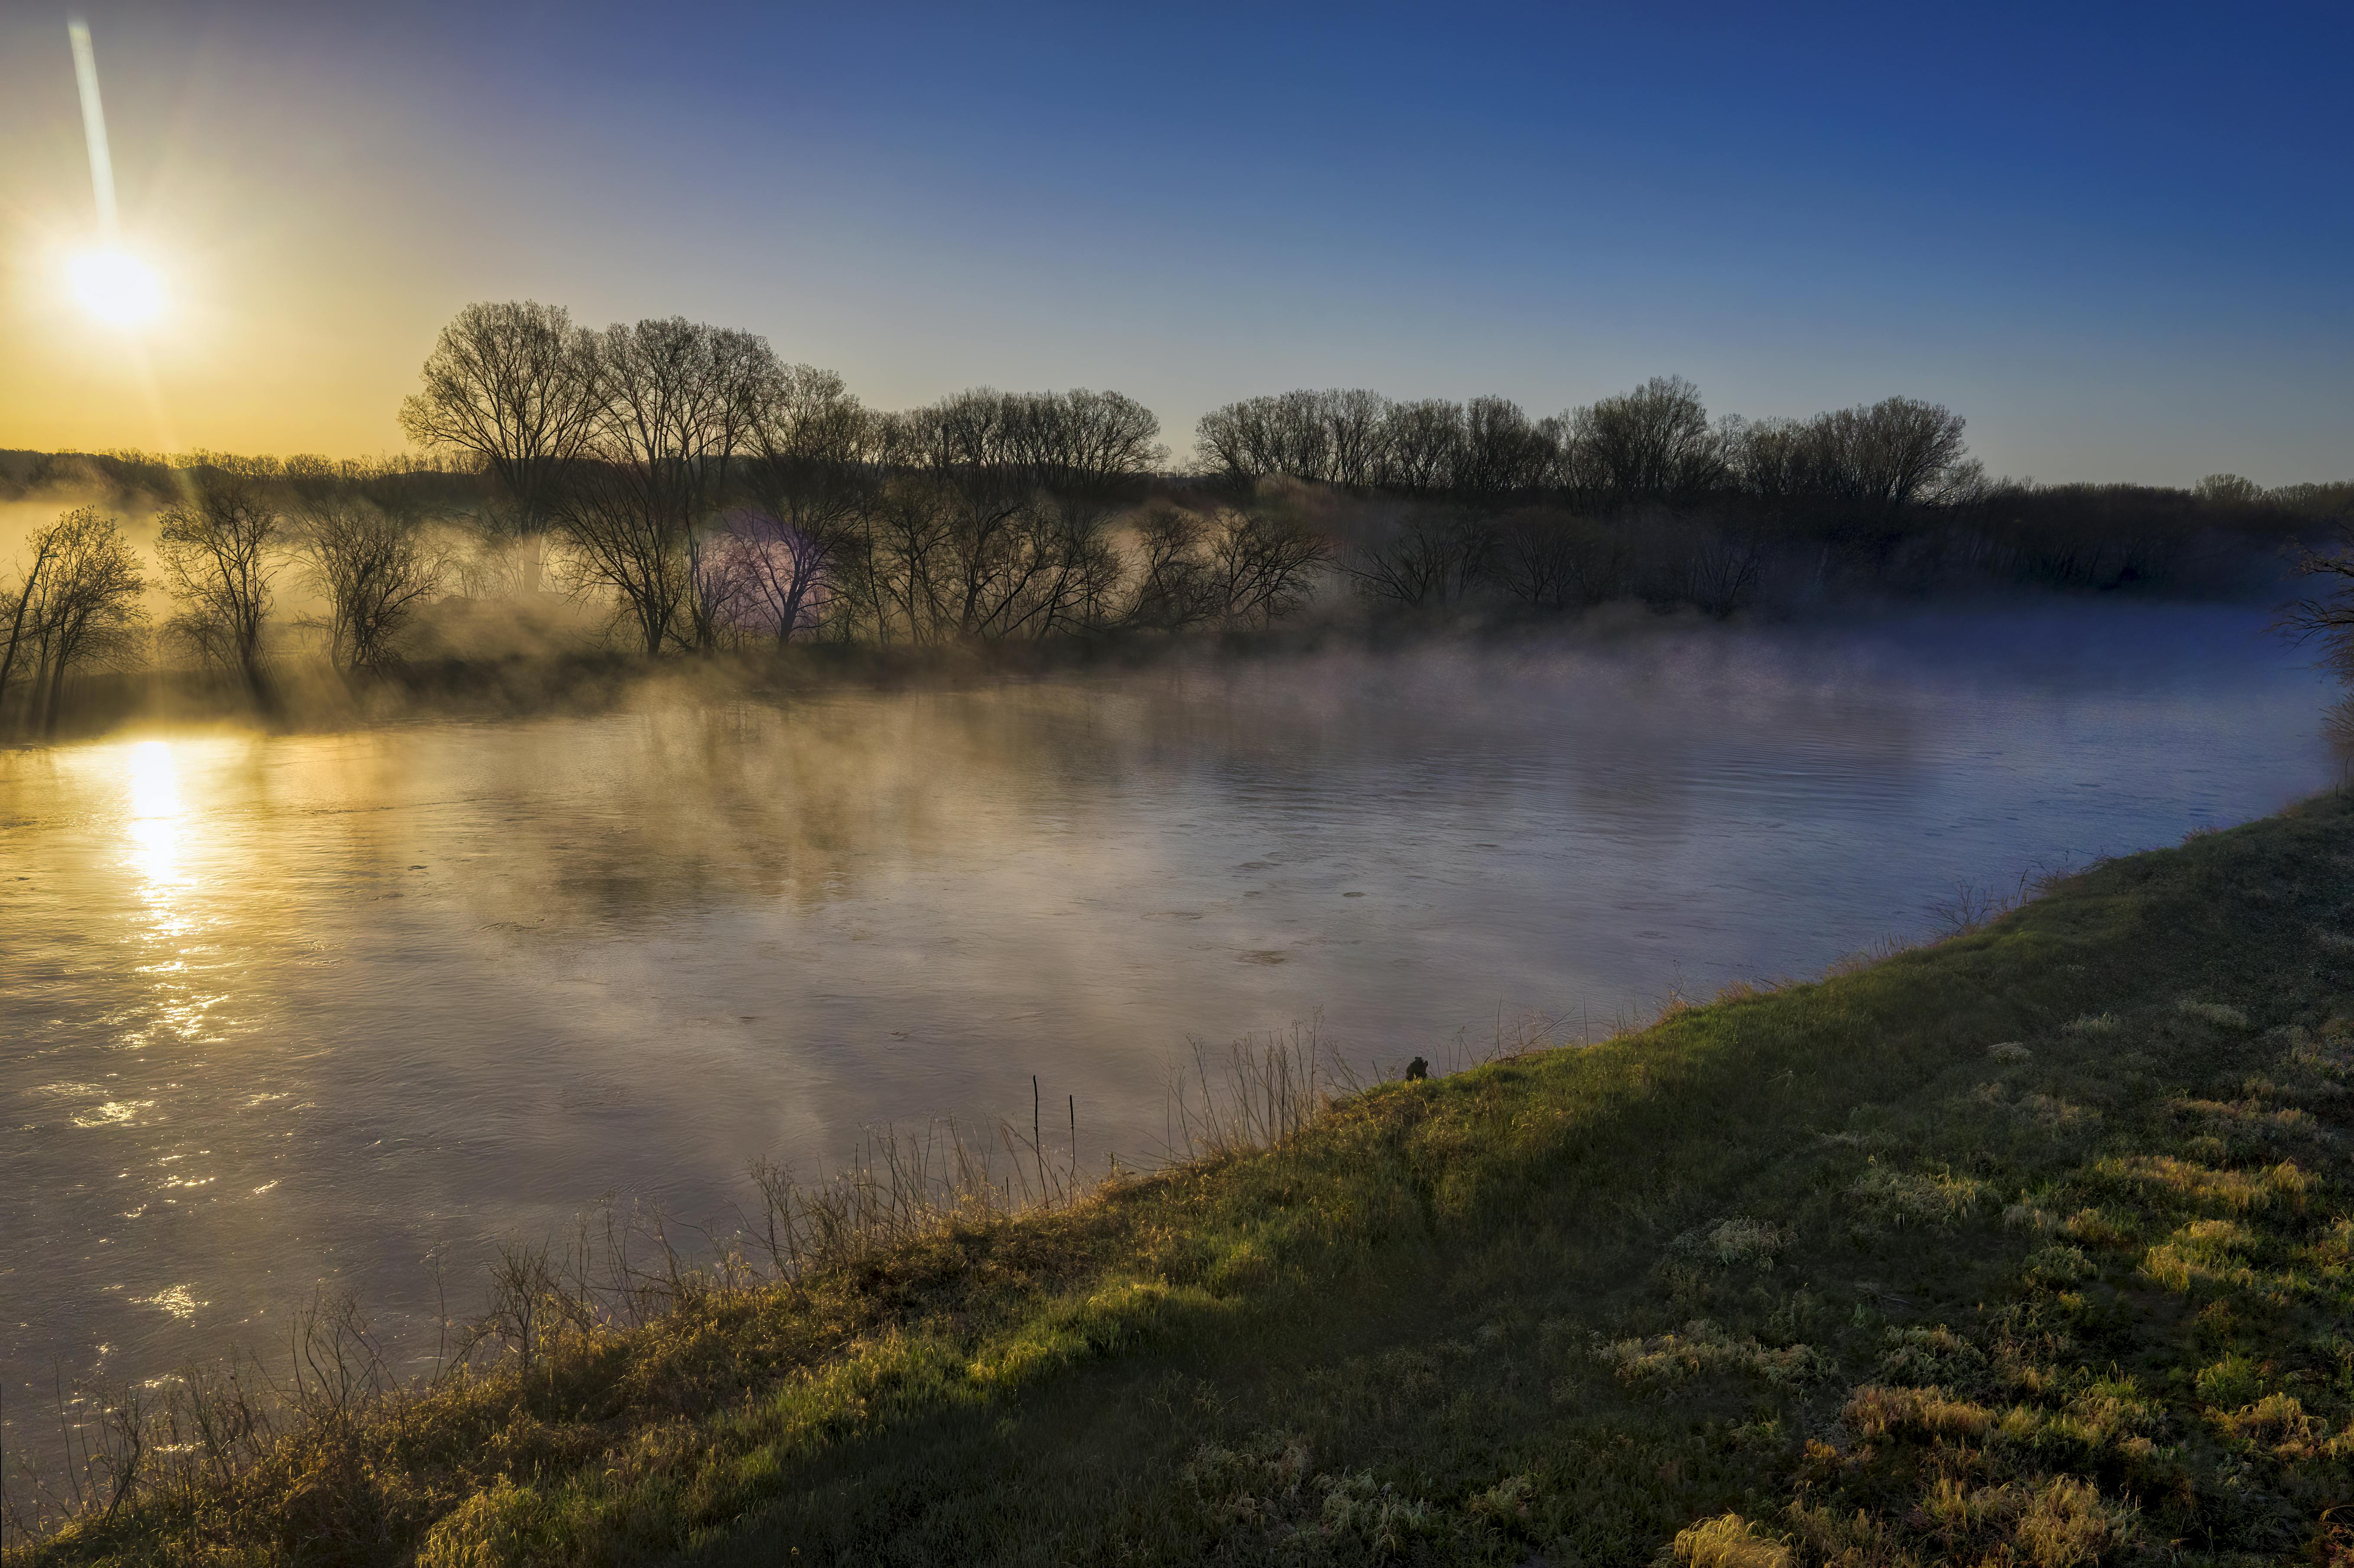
[(156, 819), (157, 835)]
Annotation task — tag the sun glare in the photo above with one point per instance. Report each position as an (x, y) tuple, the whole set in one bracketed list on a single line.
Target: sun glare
[(116, 286)]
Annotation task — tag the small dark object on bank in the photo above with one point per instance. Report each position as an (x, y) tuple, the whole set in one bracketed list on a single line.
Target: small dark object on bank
[(1416, 1070)]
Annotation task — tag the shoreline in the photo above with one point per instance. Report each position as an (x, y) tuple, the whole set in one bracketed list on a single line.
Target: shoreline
[(311, 697), (2031, 1237)]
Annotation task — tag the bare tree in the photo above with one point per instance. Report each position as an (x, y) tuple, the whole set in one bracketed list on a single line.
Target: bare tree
[(1173, 587), (1427, 556), (1890, 456), (1653, 443), (1356, 425), (1548, 559), (1311, 436), (516, 384), (219, 551), (1083, 452), (17, 606), (2327, 616), (84, 610), (997, 515), (1776, 460), (1263, 565), (1503, 453), (369, 559), (895, 558), (681, 404), (1707, 564), (1422, 443), (1338, 436), (711, 443), (763, 574), (2229, 490), (809, 477), (1861, 472), (1870, 462), (619, 542)]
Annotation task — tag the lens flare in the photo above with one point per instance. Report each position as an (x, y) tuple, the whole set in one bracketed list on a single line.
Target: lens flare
[(111, 283), (116, 286)]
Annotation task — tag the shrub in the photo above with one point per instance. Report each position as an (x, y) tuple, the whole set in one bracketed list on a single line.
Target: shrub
[(1937, 1198), (1931, 1357), (1728, 1540), (1703, 1347), (2069, 1523), (1873, 1412), (2228, 1384), (1737, 1240)]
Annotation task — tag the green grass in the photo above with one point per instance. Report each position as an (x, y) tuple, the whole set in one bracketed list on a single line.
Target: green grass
[(2036, 1247)]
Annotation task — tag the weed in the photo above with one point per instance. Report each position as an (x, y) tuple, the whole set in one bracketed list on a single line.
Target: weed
[(2213, 1012), (1729, 1541), (1915, 1197), (1702, 1347), (1732, 1241)]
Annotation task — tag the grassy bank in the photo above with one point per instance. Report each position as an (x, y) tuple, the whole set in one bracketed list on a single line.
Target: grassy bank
[(2035, 1247)]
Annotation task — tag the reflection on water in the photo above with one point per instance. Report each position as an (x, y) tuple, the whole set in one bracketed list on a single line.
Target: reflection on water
[(153, 819), (279, 1011)]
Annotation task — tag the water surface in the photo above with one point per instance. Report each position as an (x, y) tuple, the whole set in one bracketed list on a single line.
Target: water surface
[(281, 1010)]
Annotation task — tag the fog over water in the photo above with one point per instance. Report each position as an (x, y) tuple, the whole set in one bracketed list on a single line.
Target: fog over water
[(275, 1009)]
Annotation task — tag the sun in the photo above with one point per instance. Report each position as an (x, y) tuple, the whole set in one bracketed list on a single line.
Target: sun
[(116, 286)]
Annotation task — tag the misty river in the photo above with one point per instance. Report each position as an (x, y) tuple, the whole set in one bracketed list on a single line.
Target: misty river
[(282, 1010)]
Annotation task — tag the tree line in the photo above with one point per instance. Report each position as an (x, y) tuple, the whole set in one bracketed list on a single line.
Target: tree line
[(706, 493), (1654, 444), (1644, 496), (710, 491), (354, 532)]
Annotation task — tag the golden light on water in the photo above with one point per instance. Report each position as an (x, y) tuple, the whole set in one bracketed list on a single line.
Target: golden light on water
[(154, 822), (116, 286), (159, 829), (154, 781)]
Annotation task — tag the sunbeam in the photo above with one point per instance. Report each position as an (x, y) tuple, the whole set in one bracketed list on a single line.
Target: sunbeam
[(107, 280)]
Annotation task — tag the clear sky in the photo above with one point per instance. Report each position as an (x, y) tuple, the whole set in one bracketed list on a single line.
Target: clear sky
[(2116, 238)]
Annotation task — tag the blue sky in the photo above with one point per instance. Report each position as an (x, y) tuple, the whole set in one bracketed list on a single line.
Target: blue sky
[(2116, 238)]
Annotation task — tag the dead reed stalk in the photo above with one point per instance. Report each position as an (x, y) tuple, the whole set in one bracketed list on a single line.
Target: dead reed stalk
[(184, 1442)]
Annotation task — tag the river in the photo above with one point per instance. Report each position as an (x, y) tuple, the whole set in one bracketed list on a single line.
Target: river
[(281, 1009)]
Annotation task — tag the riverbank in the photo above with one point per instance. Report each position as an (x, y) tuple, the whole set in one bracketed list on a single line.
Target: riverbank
[(2034, 1245), (569, 669)]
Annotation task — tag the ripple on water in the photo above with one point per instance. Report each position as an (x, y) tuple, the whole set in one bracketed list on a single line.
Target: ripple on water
[(179, 1300), (114, 1113)]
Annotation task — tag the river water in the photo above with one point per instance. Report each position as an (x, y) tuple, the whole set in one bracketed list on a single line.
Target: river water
[(281, 1009)]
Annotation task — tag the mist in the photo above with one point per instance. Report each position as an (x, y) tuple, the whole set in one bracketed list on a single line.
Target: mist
[(504, 968), (409, 856), (806, 538)]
